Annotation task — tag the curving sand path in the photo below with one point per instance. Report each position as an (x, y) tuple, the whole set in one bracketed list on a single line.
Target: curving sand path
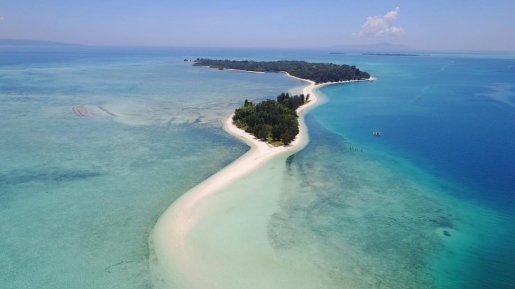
[(167, 240)]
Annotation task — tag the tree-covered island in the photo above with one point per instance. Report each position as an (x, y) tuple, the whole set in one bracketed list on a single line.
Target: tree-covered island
[(317, 72), (270, 120), (277, 121)]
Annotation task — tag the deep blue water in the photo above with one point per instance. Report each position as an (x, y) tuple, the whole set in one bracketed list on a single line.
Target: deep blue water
[(454, 117)]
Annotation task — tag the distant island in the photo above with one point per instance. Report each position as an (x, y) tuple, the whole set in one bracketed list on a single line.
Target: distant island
[(391, 54), (24, 42), (273, 121), (377, 47), (316, 72)]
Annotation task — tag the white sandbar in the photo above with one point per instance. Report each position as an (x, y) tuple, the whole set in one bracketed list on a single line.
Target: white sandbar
[(167, 240)]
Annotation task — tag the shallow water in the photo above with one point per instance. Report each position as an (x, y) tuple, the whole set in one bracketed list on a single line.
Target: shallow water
[(80, 195), (229, 246)]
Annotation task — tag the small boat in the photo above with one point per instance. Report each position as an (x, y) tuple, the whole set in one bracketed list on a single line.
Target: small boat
[(376, 133)]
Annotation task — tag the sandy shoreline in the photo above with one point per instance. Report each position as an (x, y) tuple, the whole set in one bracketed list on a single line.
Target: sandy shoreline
[(166, 241)]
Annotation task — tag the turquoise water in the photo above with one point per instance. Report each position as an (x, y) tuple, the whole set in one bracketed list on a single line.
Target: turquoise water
[(429, 204), (80, 195)]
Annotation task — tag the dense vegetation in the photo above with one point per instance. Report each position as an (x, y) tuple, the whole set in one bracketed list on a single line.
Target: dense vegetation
[(317, 72), (270, 120)]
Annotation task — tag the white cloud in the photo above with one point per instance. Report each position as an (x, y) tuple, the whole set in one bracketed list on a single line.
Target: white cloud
[(1, 18), (381, 25)]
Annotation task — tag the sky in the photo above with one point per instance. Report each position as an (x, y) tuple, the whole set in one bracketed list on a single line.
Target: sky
[(430, 25)]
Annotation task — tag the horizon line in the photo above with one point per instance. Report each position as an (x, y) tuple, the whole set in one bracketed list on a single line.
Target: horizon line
[(344, 47)]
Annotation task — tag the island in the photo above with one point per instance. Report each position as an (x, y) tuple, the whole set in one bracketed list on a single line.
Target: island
[(276, 121), (391, 54), (316, 72), (273, 121)]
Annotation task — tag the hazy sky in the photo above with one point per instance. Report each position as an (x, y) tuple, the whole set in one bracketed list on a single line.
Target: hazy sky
[(436, 24)]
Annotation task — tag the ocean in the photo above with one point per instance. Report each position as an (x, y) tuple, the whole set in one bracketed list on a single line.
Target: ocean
[(98, 142), (445, 156)]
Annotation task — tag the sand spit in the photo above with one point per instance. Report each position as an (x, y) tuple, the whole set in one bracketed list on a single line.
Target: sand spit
[(167, 240)]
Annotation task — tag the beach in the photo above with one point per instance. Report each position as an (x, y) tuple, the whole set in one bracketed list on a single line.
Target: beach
[(167, 241), (167, 238)]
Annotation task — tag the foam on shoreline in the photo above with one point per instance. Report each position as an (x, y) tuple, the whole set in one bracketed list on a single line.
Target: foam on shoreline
[(167, 240)]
